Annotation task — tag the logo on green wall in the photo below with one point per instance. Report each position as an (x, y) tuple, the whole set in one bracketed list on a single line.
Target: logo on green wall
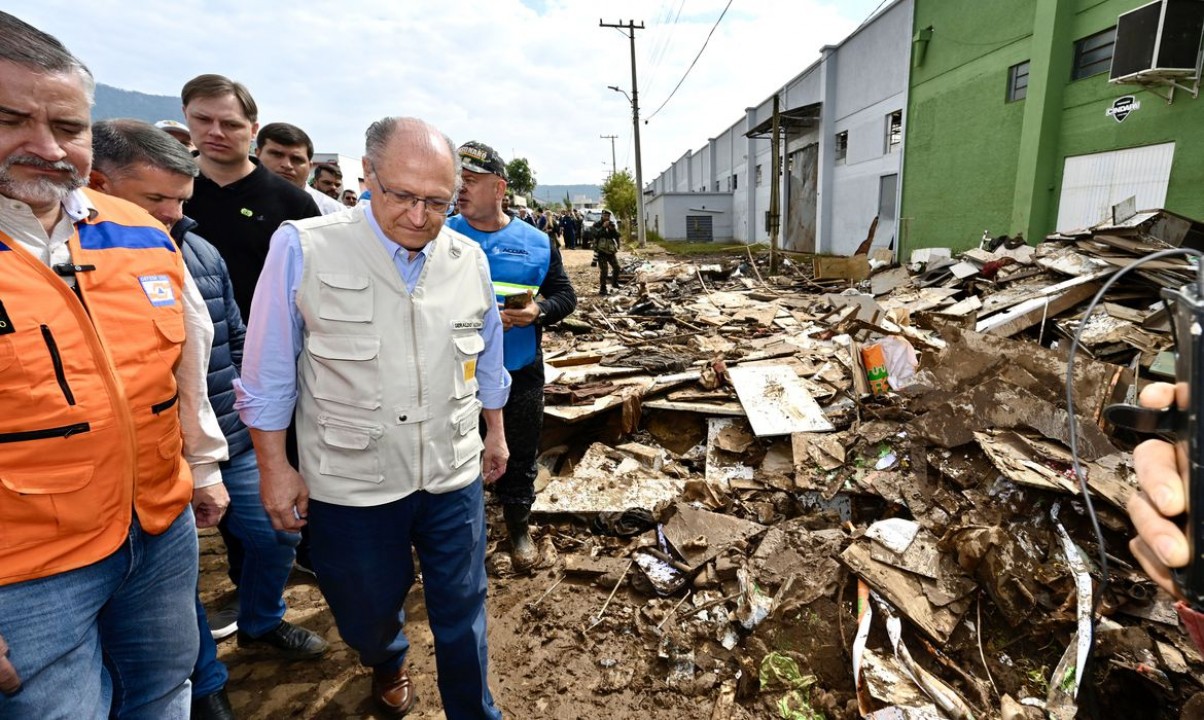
[(1121, 107)]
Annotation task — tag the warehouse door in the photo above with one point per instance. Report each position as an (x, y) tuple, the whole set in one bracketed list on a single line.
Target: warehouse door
[(1092, 184), (698, 228)]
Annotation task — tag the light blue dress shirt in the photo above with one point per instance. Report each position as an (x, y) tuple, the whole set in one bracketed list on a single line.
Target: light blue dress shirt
[(267, 390)]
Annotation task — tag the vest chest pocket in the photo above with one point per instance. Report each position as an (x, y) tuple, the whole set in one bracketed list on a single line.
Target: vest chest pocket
[(468, 347), (170, 334), (346, 369), (349, 449), (344, 298)]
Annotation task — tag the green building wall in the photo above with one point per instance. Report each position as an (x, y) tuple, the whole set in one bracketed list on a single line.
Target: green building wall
[(974, 161)]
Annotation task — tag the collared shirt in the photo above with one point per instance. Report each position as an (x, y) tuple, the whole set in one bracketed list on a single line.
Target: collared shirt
[(326, 204), (267, 390), (204, 443)]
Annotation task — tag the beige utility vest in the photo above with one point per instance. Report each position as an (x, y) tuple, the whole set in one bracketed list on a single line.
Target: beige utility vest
[(387, 397)]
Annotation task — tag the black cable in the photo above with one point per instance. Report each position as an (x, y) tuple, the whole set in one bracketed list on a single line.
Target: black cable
[(1072, 422), (683, 77)]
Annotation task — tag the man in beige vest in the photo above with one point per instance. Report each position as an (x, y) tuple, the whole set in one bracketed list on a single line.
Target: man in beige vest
[(380, 327)]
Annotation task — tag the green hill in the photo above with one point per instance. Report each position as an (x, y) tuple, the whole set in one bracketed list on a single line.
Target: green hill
[(114, 102)]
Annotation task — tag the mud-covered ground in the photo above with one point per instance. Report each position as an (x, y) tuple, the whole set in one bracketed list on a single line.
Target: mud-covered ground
[(545, 661), (562, 647)]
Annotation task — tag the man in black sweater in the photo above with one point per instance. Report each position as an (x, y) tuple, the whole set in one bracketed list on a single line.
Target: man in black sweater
[(237, 203)]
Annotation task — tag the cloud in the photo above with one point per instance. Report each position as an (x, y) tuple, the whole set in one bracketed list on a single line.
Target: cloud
[(528, 78)]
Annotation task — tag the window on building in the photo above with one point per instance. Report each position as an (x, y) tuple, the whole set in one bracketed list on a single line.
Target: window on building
[(894, 131), (735, 182), (758, 176), (1093, 54), (888, 186), (842, 146), (1018, 81)]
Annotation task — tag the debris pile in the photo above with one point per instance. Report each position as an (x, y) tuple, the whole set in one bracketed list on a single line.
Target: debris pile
[(804, 499)]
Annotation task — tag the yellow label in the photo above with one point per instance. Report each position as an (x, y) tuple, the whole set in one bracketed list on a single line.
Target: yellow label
[(470, 369)]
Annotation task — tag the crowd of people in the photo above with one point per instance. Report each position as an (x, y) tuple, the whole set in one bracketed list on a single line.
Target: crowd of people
[(136, 405)]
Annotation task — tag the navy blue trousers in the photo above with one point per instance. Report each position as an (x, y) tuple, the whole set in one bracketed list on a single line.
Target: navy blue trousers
[(365, 569)]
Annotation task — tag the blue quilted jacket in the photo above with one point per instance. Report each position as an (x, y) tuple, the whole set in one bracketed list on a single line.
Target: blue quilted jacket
[(225, 359)]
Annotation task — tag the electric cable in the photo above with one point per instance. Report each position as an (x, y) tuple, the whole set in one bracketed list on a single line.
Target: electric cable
[(1072, 422), (661, 45), (692, 63)]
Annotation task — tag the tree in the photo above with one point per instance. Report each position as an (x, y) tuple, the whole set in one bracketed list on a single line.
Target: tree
[(568, 201), (618, 195), (520, 177)]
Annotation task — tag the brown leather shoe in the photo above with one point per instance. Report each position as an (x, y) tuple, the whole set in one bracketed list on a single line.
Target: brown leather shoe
[(393, 691)]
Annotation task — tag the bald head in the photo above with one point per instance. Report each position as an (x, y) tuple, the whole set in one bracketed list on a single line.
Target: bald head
[(388, 137)]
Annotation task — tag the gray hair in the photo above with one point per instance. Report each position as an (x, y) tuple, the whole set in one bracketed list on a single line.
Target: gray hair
[(382, 131), (25, 45), (117, 145)]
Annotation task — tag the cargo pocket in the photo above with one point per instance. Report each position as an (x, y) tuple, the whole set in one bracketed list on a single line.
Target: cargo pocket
[(349, 449), (171, 335), (345, 298), (346, 369), (468, 347), (46, 503), (466, 438)]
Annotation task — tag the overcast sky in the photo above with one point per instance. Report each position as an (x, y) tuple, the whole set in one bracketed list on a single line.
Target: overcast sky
[(529, 78)]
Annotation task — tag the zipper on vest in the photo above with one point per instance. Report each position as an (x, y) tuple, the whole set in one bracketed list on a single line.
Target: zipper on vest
[(160, 407), (57, 359), (64, 431)]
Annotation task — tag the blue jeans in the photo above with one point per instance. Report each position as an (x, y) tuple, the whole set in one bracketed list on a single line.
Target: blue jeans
[(365, 569), (265, 569), (108, 635)]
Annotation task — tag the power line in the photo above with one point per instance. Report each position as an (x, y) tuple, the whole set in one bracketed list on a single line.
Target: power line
[(683, 77), (664, 40)]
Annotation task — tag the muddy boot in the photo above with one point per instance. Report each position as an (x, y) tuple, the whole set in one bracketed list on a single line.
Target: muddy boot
[(523, 553)]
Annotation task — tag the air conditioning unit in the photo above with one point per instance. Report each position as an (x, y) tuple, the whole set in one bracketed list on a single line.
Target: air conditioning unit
[(1158, 41)]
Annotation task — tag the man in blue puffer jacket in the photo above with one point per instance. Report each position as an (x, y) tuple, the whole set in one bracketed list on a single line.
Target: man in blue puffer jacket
[(140, 163)]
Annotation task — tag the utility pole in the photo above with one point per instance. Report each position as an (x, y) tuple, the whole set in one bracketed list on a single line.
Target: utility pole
[(611, 138), (631, 27), (775, 202)]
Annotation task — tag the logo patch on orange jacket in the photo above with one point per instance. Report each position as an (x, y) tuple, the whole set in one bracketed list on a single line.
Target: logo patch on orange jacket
[(158, 290)]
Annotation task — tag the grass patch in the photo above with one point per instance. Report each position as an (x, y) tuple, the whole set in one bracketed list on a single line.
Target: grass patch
[(688, 249)]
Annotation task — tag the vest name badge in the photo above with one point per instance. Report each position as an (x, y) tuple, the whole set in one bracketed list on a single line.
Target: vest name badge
[(158, 290), (467, 324)]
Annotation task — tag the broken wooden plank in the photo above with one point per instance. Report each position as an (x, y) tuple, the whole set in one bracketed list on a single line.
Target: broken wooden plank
[(607, 481), (1027, 314), (776, 400), (730, 408), (829, 267)]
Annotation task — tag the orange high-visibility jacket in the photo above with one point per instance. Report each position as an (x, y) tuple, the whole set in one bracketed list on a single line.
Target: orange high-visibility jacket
[(89, 420)]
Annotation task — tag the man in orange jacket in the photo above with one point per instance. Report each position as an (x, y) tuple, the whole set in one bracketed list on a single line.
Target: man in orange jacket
[(105, 423)]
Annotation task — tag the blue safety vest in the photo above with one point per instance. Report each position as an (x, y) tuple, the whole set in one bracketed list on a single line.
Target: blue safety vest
[(518, 255)]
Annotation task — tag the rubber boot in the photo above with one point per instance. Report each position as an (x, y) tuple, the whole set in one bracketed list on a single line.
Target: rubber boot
[(523, 553)]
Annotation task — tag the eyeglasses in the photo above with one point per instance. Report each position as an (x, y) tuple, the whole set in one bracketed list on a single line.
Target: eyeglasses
[(408, 201)]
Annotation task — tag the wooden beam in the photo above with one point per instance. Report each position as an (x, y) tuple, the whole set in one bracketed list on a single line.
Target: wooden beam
[(1031, 312)]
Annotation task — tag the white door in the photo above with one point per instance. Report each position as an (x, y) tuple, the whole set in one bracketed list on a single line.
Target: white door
[(1092, 184)]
